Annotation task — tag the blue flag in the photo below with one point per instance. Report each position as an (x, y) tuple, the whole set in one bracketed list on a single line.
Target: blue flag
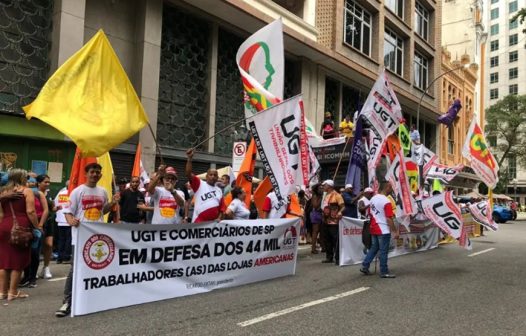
[(358, 160)]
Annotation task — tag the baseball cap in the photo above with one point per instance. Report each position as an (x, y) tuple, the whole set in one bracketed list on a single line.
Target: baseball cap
[(170, 171), (348, 185), (328, 182), (368, 190)]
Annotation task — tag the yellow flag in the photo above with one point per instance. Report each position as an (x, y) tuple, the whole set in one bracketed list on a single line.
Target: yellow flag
[(91, 100), (106, 181)]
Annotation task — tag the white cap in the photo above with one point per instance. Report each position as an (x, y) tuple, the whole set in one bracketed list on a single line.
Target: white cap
[(348, 185), (328, 182), (368, 189)]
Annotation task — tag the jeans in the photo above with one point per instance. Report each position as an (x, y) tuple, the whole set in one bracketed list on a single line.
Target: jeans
[(64, 243), (379, 243)]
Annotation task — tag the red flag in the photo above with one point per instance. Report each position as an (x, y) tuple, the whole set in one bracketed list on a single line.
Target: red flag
[(78, 176)]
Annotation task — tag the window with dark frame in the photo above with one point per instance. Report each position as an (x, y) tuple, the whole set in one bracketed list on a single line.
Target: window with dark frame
[(494, 29), (494, 78), (513, 89), (513, 56), (513, 73), (494, 45), (494, 61), (494, 94)]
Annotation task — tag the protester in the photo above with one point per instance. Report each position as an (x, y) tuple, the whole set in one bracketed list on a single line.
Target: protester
[(363, 202), (43, 182), (328, 130), (17, 205), (382, 226), (209, 204), (351, 202), (347, 126), (315, 216), (42, 211), (237, 209), (167, 201), (88, 203), (64, 229), (415, 134), (332, 206), (225, 184), (130, 200)]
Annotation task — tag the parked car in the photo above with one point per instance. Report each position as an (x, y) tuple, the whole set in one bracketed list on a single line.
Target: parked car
[(501, 214)]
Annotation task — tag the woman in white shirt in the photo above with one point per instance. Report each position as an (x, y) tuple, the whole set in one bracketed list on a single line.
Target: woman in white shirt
[(237, 208)]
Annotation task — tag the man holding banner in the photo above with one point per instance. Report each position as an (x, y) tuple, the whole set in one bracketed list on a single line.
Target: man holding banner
[(382, 226), (87, 203)]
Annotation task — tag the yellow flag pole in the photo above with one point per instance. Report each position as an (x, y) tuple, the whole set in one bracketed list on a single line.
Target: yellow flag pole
[(157, 148)]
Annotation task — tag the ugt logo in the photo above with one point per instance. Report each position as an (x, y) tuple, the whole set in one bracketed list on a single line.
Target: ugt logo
[(293, 136), (445, 213)]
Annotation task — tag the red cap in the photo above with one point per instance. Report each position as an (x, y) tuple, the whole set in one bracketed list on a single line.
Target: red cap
[(170, 171)]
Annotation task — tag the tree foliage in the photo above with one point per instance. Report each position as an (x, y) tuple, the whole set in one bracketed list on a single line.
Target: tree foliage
[(506, 121), (521, 16)]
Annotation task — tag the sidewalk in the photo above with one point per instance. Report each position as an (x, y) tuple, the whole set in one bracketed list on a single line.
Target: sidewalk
[(521, 216)]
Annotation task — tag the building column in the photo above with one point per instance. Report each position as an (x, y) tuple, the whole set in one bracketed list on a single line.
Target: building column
[(309, 88), (68, 31), (148, 63), (212, 87)]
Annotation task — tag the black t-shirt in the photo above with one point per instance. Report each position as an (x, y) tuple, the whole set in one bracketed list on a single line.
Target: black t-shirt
[(128, 203)]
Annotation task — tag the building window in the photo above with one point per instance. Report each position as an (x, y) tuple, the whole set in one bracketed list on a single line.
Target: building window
[(494, 61), (358, 27), (422, 21), (514, 73), (397, 6), (494, 45), (514, 39), (494, 1), (451, 140), (492, 140), (393, 52), (513, 89), (421, 65), (513, 7), (513, 56), (494, 94), (494, 14), (514, 24), (494, 29), (494, 78)]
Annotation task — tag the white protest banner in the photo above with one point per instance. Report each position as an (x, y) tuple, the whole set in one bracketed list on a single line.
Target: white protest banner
[(261, 62), (443, 173), (282, 145), (423, 237), (479, 212), (476, 150), (315, 140), (134, 264), (428, 158), (444, 213)]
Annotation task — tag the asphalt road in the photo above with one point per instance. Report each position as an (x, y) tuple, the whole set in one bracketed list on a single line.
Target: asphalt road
[(440, 292)]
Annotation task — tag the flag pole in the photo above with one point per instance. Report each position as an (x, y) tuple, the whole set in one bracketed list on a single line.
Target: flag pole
[(235, 123), (341, 157), (157, 148)]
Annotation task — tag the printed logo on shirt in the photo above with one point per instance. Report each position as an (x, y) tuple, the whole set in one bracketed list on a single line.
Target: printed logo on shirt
[(63, 199), (167, 207), (98, 251), (92, 206), (208, 195)]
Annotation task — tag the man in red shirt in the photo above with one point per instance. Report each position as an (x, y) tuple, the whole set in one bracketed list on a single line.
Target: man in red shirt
[(382, 226)]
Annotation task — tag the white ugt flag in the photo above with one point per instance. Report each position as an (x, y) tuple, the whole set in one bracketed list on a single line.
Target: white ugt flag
[(282, 145)]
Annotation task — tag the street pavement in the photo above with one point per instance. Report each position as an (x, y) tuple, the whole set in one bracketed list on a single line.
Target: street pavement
[(446, 291)]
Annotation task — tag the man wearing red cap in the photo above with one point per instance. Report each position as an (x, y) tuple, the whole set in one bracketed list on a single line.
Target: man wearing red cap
[(167, 201), (209, 204)]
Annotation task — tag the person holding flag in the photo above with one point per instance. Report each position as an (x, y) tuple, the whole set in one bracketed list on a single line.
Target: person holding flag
[(209, 203), (87, 203), (167, 201)]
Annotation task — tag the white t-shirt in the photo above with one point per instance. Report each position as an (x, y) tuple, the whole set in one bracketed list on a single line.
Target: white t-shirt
[(62, 200), (365, 202), (239, 209), (275, 208), (380, 209), (165, 208), (208, 201), (87, 205)]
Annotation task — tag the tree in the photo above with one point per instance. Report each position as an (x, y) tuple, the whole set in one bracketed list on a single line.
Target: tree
[(506, 122), (521, 16)]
